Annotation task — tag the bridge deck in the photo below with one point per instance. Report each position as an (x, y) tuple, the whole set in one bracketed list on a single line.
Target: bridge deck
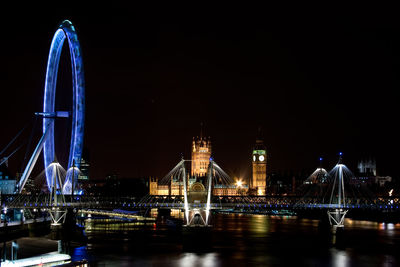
[(176, 202)]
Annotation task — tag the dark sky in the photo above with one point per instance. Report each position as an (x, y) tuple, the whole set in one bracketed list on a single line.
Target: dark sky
[(317, 80)]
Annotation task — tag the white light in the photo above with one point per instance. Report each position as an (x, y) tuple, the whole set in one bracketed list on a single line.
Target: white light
[(390, 192), (340, 258), (45, 259), (261, 158)]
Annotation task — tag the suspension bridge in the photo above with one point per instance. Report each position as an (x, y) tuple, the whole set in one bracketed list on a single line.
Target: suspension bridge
[(328, 191)]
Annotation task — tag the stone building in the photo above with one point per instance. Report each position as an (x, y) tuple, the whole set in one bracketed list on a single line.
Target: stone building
[(259, 175), (201, 154), (200, 159)]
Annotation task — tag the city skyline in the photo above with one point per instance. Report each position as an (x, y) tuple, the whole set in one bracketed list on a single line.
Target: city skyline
[(181, 135), (315, 89)]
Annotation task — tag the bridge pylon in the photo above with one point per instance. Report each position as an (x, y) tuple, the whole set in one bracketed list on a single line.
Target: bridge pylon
[(57, 204), (337, 202), (197, 201)]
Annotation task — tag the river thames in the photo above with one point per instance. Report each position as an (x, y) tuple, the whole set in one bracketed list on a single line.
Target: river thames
[(241, 240)]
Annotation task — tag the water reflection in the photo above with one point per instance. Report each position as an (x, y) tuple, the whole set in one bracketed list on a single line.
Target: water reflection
[(340, 258), (253, 240), (193, 259), (259, 224)]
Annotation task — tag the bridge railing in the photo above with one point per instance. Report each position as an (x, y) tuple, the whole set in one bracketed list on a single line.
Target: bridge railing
[(40, 201)]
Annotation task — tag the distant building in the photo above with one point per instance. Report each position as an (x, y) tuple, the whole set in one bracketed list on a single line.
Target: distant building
[(362, 180), (153, 186), (7, 181), (259, 162), (382, 180), (367, 174), (367, 167), (84, 170), (201, 154), (173, 188)]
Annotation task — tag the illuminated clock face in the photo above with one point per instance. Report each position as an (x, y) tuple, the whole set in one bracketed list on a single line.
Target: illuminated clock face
[(254, 158), (261, 158)]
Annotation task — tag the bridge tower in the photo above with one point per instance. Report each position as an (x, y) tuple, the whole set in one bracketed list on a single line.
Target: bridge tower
[(337, 202), (57, 208), (197, 198)]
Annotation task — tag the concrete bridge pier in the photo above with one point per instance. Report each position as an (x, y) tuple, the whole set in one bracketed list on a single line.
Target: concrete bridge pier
[(67, 232)]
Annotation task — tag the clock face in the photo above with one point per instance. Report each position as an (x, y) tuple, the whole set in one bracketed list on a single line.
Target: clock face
[(254, 158), (261, 158)]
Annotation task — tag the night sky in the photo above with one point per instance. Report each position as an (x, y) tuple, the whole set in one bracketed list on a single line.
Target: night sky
[(315, 81)]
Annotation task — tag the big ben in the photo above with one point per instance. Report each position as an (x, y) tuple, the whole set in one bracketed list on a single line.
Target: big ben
[(259, 161)]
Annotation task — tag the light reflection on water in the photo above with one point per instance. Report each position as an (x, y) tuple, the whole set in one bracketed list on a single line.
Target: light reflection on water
[(193, 259), (253, 240), (339, 258)]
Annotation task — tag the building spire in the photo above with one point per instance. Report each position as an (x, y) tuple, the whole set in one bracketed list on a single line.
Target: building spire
[(259, 134), (201, 130)]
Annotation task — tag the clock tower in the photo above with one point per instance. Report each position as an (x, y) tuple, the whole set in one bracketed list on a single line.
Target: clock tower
[(259, 161)]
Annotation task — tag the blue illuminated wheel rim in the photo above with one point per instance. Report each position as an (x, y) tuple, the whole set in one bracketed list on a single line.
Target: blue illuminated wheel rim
[(65, 31)]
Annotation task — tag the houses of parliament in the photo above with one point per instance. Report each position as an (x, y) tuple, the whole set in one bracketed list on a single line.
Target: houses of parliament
[(201, 152)]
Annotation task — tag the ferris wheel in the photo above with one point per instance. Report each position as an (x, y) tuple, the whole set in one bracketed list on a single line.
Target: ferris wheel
[(65, 31)]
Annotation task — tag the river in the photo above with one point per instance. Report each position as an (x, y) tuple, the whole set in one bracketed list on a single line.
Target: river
[(242, 240)]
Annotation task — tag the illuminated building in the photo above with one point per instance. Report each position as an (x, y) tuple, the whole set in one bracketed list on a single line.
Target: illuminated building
[(229, 190), (367, 167), (84, 170), (367, 174), (153, 186), (173, 188), (7, 182), (259, 161), (201, 153)]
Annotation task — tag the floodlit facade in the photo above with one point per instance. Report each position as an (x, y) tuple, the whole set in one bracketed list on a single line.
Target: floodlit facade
[(258, 180), (201, 154)]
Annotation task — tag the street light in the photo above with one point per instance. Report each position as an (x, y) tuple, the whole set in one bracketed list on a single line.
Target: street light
[(239, 184), (5, 216)]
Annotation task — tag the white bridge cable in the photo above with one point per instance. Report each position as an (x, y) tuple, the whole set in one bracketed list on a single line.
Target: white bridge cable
[(24, 198), (340, 173), (4, 159), (13, 139), (220, 177), (317, 176), (173, 173)]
